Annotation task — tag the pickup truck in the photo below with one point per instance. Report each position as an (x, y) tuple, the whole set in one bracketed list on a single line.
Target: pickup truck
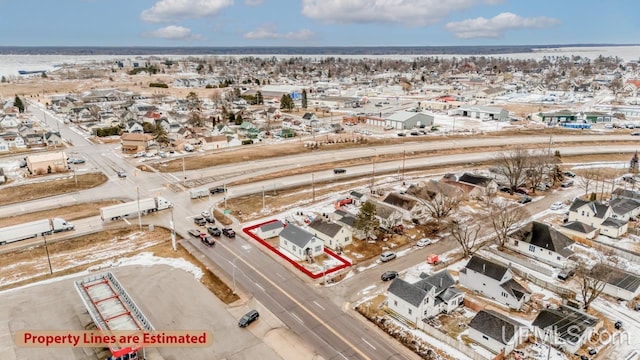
[(213, 230), (207, 240), (195, 233), (228, 232)]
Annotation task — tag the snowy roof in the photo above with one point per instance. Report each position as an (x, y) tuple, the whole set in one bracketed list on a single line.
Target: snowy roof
[(495, 325), (403, 116)]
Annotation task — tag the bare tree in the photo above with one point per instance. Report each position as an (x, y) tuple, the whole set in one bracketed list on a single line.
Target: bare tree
[(505, 219), (538, 164), (440, 206), (512, 165), (587, 177), (591, 280), (466, 235)]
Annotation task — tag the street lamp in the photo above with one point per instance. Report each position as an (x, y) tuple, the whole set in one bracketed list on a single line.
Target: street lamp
[(324, 274), (139, 215)]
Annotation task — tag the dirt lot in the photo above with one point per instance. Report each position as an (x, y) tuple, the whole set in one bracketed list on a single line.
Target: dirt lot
[(78, 254), (72, 212), (19, 193)]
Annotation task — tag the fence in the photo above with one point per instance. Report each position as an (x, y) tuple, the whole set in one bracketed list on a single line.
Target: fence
[(505, 260), (454, 343)]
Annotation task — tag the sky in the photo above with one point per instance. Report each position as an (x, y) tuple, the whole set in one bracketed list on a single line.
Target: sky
[(196, 23)]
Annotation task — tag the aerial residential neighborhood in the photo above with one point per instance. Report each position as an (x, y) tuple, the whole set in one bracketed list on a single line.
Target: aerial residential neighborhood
[(317, 202)]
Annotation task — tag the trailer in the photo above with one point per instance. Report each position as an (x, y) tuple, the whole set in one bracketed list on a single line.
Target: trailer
[(131, 208), (33, 229), (198, 193)]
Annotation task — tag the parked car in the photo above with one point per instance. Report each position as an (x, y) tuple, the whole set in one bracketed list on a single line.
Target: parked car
[(339, 171), (423, 242), (75, 161), (522, 191), (215, 190), (636, 133), (387, 256), (592, 351), (402, 134), (122, 174), (199, 220), (195, 233), (207, 239), (618, 325), (565, 274), (228, 232), (140, 154), (525, 199), (569, 174), (505, 189), (248, 318), (213, 231), (566, 183), (557, 205), (388, 275), (205, 214)]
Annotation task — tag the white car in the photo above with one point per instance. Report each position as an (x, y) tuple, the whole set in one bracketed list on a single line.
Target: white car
[(424, 242), (205, 214), (557, 205)]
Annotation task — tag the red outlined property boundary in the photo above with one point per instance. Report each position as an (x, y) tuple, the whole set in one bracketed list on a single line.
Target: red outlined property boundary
[(344, 263)]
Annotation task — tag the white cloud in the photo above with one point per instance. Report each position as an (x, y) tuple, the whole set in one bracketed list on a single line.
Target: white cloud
[(253, 2), (173, 32), (176, 10), (404, 12), (495, 27), (269, 32)]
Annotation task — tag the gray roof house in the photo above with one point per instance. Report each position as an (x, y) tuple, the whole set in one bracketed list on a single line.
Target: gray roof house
[(496, 332), (403, 120), (579, 230), (542, 242), (625, 194), (494, 281), (334, 235), (619, 283), (569, 327), (426, 298), (482, 185), (388, 216), (597, 215), (270, 230), (625, 208), (299, 242)]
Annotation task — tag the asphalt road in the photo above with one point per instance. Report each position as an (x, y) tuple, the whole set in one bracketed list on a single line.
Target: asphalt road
[(310, 313)]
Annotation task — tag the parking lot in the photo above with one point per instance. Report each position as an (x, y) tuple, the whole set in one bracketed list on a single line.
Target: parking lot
[(159, 292)]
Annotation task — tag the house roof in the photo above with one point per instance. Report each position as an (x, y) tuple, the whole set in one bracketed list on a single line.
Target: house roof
[(473, 179), (486, 267), (618, 278), (400, 201), (356, 195), (348, 219), (308, 116), (403, 116), (384, 211), (613, 223), (514, 288), (568, 323), (136, 137), (579, 227), (546, 237), (407, 292), (272, 226), (600, 210), (296, 235), (624, 193), (495, 325), (441, 281), (328, 228), (623, 205)]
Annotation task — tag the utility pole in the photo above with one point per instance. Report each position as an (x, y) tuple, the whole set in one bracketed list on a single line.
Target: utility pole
[(173, 232), (313, 188), (46, 248), (184, 174), (404, 154), (263, 207), (373, 173)]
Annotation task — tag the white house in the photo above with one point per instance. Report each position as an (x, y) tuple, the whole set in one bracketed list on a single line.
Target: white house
[(483, 185), (565, 327), (576, 229), (9, 121), (388, 216), (597, 215), (494, 281), (300, 243), (409, 207), (334, 235), (619, 284), (4, 145), (270, 230), (496, 332), (624, 208), (542, 242), (425, 298)]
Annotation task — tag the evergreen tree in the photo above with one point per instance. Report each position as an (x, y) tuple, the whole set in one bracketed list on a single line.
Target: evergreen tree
[(286, 102), (160, 135), (366, 219), (193, 102), (19, 104), (238, 120), (232, 118), (259, 98), (304, 98)]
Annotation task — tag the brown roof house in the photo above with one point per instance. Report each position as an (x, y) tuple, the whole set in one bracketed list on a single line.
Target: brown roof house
[(133, 143)]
